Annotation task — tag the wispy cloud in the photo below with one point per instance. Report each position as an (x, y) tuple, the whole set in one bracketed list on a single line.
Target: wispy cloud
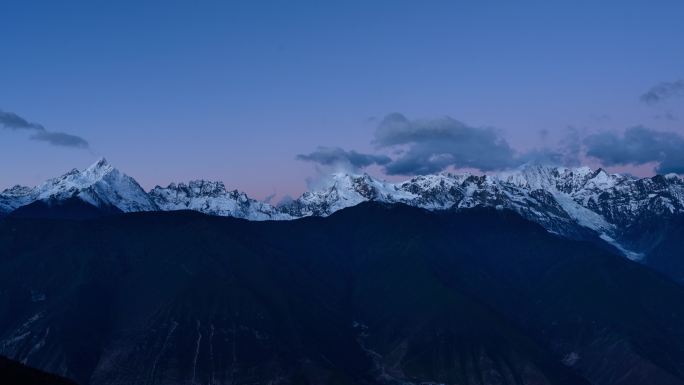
[(60, 139), (12, 121), (664, 91), (336, 156), (268, 198), (566, 152), (667, 115)]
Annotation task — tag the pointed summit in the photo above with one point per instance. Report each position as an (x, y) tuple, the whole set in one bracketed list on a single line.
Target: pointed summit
[(100, 185), (100, 164), (98, 170)]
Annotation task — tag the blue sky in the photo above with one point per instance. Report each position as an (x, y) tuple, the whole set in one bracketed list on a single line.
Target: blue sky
[(235, 90)]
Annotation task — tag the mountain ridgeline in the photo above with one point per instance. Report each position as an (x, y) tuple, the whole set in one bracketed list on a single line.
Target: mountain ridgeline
[(629, 215), (571, 202), (525, 277), (373, 294)]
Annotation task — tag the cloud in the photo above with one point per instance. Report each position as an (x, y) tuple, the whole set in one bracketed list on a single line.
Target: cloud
[(15, 122), (566, 152), (570, 147), (285, 200), (335, 156), (664, 91), (269, 198), (430, 146), (433, 145), (60, 139), (638, 146), (544, 133), (12, 121), (667, 115), (599, 118)]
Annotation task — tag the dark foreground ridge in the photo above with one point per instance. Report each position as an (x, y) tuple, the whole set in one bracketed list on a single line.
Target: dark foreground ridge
[(15, 373), (372, 294)]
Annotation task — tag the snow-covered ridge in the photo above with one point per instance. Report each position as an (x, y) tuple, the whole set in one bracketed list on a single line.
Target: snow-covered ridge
[(213, 198), (577, 203), (100, 185)]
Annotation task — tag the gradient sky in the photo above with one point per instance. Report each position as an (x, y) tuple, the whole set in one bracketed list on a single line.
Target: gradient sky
[(234, 90)]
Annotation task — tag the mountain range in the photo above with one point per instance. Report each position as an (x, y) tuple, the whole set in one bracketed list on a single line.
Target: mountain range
[(536, 276), (578, 203), (372, 294)]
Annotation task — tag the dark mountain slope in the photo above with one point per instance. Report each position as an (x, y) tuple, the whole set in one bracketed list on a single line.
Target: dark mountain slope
[(71, 208), (588, 306), (668, 254), (14, 373), (371, 294)]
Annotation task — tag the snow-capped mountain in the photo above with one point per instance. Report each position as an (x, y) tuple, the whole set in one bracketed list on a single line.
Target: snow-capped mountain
[(100, 185), (15, 197), (213, 198), (341, 191), (578, 203)]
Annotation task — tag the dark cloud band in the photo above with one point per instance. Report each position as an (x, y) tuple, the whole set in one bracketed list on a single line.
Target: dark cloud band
[(430, 146), (12, 121), (433, 145), (60, 139), (639, 146), (332, 156)]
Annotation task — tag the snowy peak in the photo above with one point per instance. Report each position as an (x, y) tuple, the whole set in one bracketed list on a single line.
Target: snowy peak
[(212, 198), (17, 191), (359, 184), (100, 185), (577, 203), (100, 164), (98, 170), (562, 179), (15, 197), (340, 191), (354, 187), (196, 188)]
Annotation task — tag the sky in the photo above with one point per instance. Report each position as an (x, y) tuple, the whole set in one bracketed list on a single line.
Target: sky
[(266, 95)]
